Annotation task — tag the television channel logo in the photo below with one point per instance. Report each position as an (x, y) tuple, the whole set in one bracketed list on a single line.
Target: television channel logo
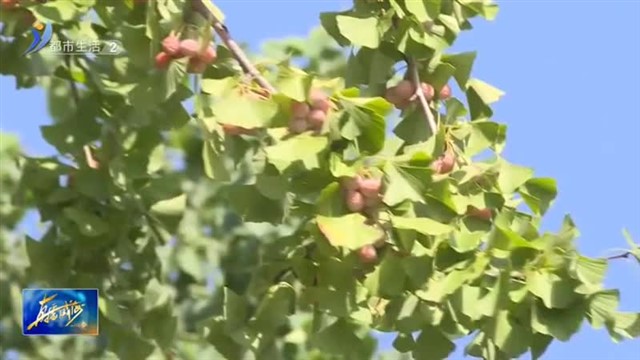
[(60, 312), (41, 36)]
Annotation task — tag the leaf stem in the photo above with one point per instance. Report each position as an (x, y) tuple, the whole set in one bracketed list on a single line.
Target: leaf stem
[(415, 78), (238, 54)]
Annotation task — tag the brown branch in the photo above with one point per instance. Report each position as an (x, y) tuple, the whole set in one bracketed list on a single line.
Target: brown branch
[(415, 78), (238, 54)]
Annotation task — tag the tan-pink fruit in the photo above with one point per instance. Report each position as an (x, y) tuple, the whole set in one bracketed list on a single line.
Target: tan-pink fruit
[(319, 101), (196, 66), (171, 45), (350, 184), (368, 254), (482, 214), (355, 201), (428, 90), (444, 164), (298, 125), (405, 90), (209, 55), (300, 109), (316, 119), (445, 92), (189, 47), (370, 187), (162, 60)]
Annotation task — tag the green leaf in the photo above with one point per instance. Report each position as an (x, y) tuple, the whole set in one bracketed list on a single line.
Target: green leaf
[(559, 323), (88, 224), (293, 83), (511, 177), (424, 226), (463, 62), (432, 344), (171, 207), (304, 148), (190, 262), (235, 310), (539, 194), (366, 121), (359, 31), (601, 309), (245, 112), (590, 271), (274, 308), (404, 183), (423, 10), (404, 343), (554, 291), (214, 164), (155, 296), (387, 280), (349, 231)]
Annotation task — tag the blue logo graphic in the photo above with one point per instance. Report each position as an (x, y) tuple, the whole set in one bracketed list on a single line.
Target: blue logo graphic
[(60, 311), (41, 37)]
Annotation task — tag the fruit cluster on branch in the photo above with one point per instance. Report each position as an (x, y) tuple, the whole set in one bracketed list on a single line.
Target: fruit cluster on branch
[(199, 55), (310, 115)]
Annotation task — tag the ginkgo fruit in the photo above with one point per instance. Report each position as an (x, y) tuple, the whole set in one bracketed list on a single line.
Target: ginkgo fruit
[(171, 45), (209, 55), (445, 92), (355, 201), (162, 60), (428, 91), (483, 214), (319, 101), (300, 109), (368, 254), (369, 187), (189, 47), (444, 163), (316, 118), (298, 125)]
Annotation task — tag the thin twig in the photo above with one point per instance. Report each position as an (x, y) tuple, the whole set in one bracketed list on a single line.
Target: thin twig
[(238, 54), (415, 78), (619, 256), (75, 95)]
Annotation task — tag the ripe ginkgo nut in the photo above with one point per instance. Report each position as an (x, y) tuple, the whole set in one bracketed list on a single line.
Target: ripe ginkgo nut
[(162, 60), (369, 187), (189, 47), (368, 254), (209, 55), (171, 45), (298, 125), (355, 201), (300, 109)]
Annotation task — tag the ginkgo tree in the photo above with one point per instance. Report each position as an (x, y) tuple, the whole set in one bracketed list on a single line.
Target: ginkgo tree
[(294, 222)]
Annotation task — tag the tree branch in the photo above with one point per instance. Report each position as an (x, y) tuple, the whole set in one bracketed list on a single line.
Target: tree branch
[(619, 256), (415, 78), (238, 54)]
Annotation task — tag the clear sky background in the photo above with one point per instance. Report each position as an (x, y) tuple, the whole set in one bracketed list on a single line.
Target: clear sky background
[(571, 71)]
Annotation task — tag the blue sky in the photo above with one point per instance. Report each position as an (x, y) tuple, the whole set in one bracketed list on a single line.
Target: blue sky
[(572, 81)]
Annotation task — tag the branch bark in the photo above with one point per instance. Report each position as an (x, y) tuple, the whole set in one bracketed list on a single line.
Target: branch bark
[(415, 78), (238, 54)]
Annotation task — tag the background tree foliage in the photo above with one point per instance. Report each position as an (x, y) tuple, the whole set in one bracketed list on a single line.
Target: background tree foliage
[(205, 244)]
